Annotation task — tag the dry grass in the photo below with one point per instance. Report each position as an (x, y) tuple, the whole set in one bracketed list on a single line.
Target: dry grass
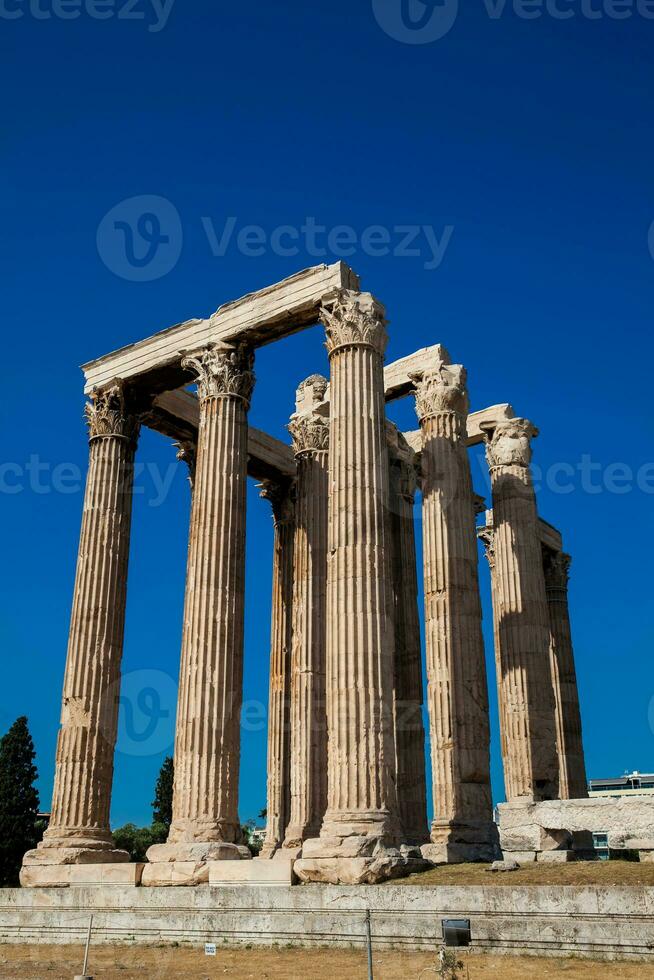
[(574, 873), (166, 963)]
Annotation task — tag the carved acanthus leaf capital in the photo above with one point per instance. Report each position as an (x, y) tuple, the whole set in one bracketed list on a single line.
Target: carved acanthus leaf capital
[(487, 536), (106, 414), (310, 433), (222, 369), (352, 318), (508, 443), (187, 453), (281, 497), (556, 565), (311, 393), (441, 390)]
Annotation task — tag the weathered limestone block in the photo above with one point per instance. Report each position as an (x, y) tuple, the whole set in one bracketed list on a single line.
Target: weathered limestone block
[(188, 864), (79, 830), (80, 875), (207, 743), (521, 617), (309, 428), (457, 694), (553, 824), (282, 499), (259, 872)]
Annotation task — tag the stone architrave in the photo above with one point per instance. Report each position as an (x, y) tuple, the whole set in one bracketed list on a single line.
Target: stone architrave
[(310, 432), (457, 692), (408, 693), (205, 823), (573, 784), (361, 824), (527, 709), (282, 501), (79, 830)]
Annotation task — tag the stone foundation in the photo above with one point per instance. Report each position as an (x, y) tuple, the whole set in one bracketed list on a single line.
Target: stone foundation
[(597, 922)]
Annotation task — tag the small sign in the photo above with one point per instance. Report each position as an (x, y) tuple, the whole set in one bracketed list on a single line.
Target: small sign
[(209, 949)]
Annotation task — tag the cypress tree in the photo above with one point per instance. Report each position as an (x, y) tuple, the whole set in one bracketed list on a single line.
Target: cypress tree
[(162, 806), (19, 800)]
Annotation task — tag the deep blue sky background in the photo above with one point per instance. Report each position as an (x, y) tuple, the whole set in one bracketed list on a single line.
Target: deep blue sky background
[(532, 138)]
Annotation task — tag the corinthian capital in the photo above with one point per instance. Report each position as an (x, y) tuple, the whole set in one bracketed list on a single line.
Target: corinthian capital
[(352, 318), (556, 566), (222, 369), (107, 415), (508, 443), (487, 536), (441, 390), (310, 433), (282, 499)]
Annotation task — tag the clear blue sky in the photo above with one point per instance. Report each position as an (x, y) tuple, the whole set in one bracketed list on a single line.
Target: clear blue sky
[(526, 142)]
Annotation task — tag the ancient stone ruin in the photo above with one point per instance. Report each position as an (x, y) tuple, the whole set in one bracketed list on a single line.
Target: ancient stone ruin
[(346, 772)]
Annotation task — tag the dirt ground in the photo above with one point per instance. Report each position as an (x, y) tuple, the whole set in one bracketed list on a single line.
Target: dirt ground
[(169, 963), (574, 873)]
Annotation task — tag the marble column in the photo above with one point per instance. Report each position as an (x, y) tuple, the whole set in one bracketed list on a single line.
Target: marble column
[(282, 500), (409, 727), (207, 745), (310, 432), (79, 830), (527, 709), (573, 784), (457, 693), (361, 815)]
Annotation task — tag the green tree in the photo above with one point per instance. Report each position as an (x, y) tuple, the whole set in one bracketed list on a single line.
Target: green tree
[(135, 840), (162, 805), (19, 800)]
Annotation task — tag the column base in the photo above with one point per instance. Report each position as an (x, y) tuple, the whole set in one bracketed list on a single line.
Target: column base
[(187, 864), (40, 865), (462, 843), (356, 860)]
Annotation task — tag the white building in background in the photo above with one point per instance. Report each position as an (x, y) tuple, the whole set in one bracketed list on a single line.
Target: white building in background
[(631, 784)]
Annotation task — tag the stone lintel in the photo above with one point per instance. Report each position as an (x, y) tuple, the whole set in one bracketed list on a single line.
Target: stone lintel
[(176, 414), (154, 364)]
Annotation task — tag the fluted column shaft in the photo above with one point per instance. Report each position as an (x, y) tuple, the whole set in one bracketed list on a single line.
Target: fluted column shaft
[(409, 727), (207, 744), (308, 711), (361, 787), (278, 768), (89, 719), (573, 784), (527, 708), (456, 670)]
